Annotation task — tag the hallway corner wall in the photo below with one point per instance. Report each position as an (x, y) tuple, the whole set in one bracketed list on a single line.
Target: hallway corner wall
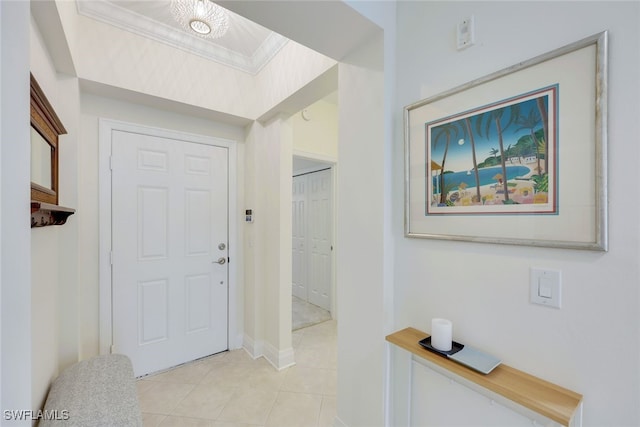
[(268, 242)]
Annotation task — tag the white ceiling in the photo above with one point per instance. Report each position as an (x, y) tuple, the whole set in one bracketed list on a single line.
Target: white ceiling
[(247, 46)]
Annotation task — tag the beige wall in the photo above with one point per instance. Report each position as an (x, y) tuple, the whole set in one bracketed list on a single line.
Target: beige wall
[(362, 244), (54, 322), (268, 244), (317, 136)]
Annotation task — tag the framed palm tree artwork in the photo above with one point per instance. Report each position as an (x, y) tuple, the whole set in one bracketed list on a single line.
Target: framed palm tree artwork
[(516, 157)]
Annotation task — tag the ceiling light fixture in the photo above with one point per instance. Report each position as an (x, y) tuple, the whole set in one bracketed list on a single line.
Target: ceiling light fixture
[(203, 17)]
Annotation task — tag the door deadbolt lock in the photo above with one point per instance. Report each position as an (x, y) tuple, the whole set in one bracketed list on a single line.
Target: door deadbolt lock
[(221, 260), (222, 246)]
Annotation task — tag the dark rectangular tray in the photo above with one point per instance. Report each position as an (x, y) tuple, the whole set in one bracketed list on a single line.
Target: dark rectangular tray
[(455, 347)]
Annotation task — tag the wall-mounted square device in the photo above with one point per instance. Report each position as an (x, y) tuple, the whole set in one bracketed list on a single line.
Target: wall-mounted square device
[(248, 215)]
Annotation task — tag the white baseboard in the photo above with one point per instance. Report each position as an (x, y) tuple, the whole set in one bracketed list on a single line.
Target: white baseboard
[(280, 359), (254, 348)]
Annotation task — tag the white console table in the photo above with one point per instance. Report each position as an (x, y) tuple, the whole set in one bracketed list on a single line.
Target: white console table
[(506, 384)]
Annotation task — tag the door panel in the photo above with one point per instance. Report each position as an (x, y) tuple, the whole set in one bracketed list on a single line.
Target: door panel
[(153, 317), (197, 225), (299, 226), (198, 295), (153, 227), (170, 213), (320, 236)]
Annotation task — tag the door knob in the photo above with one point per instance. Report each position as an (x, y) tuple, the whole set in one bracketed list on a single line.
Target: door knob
[(221, 260)]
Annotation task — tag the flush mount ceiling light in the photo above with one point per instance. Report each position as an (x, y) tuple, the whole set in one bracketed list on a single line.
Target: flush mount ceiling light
[(203, 17)]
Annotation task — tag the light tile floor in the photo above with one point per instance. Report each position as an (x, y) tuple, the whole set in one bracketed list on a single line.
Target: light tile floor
[(232, 390), (304, 314)]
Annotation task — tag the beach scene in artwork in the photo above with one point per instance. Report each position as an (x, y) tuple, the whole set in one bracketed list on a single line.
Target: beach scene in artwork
[(499, 158)]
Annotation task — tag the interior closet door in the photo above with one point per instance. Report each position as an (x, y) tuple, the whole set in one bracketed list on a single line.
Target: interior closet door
[(320, 232), (299, 245)]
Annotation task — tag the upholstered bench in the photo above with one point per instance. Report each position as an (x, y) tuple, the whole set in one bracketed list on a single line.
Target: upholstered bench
[(100, 391)]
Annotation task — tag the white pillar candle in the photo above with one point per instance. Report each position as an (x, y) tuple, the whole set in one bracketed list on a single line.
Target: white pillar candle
[(441, 334)]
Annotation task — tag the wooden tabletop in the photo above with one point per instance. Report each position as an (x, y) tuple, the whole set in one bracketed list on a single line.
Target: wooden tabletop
[(543, 397)]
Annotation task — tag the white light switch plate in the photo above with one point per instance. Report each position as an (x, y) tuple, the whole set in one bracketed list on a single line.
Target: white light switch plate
[(465, 33), (545, 287)]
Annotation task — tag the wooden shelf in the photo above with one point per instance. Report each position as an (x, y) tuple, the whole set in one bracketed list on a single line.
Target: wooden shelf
[(44, 214), (543, 397)]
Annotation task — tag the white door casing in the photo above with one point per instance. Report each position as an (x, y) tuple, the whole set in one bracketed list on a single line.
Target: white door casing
[(203, 300)]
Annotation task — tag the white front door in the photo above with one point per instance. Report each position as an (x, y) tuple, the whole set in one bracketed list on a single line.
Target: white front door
[(169, 244)]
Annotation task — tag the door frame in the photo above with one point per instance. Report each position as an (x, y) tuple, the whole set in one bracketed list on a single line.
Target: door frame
[(105, 129)]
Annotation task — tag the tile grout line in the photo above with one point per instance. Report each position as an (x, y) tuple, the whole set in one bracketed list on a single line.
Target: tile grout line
[(305, 339)]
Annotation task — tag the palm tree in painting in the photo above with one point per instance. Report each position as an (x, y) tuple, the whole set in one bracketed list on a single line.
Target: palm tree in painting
[(517, 152), (509, 153), (545, 128), (501, 121), (541, 149), (494, 152), (448, 131), (466, 130), (530, 122)]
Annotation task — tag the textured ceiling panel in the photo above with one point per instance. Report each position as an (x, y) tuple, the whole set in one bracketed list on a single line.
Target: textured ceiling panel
[(247, 46)]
